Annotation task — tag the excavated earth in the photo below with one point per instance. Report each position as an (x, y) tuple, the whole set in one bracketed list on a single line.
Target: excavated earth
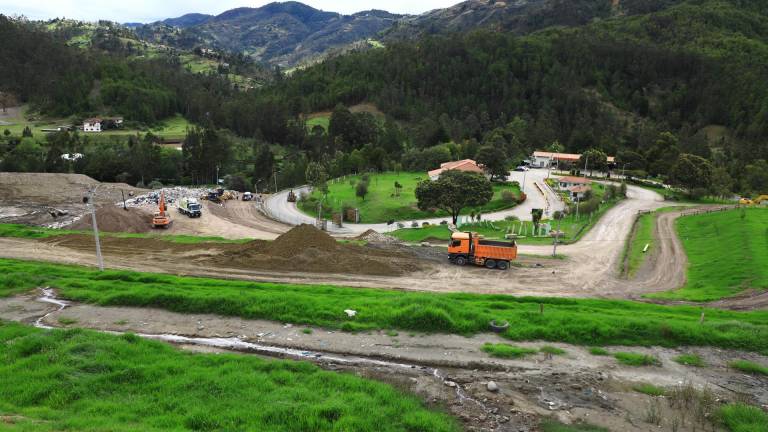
[(307, 249)]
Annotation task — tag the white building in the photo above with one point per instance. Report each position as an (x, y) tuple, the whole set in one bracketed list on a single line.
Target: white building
[(92, 125)]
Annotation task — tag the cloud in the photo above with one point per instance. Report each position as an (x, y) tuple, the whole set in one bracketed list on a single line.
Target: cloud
[(153, 10)]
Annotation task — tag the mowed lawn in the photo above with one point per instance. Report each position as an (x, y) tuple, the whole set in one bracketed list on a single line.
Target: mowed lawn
[(578, 321), (727, 254), (383, 204), (82, 380)]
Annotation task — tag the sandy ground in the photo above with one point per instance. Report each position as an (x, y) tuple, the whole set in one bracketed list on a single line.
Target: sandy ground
[(451, 371), (234, 220)]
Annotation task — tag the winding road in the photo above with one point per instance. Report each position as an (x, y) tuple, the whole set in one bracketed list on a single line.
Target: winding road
[(540, 195)]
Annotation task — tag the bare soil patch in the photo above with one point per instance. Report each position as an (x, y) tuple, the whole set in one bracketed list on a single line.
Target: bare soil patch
[(307, 249), (116, 219)]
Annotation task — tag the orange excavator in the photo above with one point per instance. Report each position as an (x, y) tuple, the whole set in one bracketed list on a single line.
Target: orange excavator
[(161, 219)]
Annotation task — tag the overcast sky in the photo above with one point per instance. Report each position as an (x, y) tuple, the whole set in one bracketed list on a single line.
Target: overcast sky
[(153, 10)]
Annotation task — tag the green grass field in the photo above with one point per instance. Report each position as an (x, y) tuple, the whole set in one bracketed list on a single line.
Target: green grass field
[(586, 322), (82, 380), (642, 236), (322, 121), (382, 205), (727, 254)]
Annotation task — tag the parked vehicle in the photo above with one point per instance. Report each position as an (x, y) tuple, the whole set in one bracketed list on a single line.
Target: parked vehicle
[(470, 248), (247, 196), (191, 207), (522, 168)]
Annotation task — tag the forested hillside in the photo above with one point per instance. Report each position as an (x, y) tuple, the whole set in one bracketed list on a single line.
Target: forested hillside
[(616, 85)]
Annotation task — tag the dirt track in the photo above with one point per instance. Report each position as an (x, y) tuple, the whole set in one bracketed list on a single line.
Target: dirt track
[(447, 370)]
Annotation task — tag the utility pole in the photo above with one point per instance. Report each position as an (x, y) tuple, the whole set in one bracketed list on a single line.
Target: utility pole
[(557, 235), (525, 175), (275, 174), (89, 201), (578, 201), (586, 162), (624, 177)]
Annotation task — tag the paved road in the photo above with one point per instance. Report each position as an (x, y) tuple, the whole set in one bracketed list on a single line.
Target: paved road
[(539, 196)]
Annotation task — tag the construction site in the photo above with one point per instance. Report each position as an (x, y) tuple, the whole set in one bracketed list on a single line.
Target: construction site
[(210, 233)]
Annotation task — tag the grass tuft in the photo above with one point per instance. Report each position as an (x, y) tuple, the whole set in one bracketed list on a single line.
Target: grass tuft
[(749, 367), (507, 351), (552, 350), (690, 360), (649, 389), (67, 321), (636, 359), (739, 417), (599, 351), (556, 426)]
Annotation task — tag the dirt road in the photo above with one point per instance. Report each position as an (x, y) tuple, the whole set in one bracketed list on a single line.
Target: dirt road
[(449, 370)]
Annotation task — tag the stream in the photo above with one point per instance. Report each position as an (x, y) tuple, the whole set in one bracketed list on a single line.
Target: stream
[(239, 345)]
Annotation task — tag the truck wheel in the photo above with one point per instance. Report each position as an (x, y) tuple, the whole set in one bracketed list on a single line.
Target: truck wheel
[(502, 265), (490, 264), (460, 261)]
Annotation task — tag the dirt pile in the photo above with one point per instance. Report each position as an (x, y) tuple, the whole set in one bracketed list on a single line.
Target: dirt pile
[(115, 219), (373, 236), (307, 249)]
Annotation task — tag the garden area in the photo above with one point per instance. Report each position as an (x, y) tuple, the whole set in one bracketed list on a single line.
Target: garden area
[(384, 202), (571, 226)]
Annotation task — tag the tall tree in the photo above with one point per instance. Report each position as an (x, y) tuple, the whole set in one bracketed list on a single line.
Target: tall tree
[(453, 192)]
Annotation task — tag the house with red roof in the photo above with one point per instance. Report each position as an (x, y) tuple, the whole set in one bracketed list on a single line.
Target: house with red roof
[(467, 165)]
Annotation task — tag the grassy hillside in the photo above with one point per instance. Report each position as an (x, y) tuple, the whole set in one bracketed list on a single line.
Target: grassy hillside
[(727, 253), (588, 322), (83, 380)]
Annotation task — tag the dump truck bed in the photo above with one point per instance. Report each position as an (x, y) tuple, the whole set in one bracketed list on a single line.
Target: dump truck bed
[(496, 251)]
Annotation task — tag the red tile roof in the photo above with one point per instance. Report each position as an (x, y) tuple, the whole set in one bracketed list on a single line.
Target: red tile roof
[(575, 180), (462, 165)]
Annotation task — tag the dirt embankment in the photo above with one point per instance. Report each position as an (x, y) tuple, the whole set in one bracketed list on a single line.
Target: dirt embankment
[(116, 219), (30, 198), (307, 249)]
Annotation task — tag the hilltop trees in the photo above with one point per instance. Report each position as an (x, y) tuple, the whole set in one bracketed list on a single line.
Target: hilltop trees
[(693, 173), (453, 192)]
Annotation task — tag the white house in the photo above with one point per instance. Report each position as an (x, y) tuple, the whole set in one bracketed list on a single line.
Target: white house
[(543, 159), (579, 192), (92, 125), (569, 182)]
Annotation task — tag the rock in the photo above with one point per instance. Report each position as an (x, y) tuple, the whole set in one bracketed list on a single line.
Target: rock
[(492, 386), (425, 244), (450, 384)]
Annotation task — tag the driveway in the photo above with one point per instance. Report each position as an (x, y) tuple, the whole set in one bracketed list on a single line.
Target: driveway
[(539, 196)]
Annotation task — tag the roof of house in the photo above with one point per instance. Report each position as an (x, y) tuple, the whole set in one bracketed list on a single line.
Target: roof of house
[(579, 189), (462, 165), (575, 180), (569, 157), (92, 120)]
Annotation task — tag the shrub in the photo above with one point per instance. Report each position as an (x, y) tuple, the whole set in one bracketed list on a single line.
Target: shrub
[(508, 196), (506, 350), (690, 360), (512, 219), (750, 367), (444, 222), (155, 184), (635, 359), (414, 224), (425, 224)]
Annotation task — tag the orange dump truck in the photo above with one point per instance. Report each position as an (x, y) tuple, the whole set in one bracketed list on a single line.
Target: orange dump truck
[(468, 247)]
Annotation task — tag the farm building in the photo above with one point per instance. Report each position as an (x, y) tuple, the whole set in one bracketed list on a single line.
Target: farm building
[(542, 159), (92, 125), (468, 165)]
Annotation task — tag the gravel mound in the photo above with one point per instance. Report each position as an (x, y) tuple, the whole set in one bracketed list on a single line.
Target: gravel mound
[(372, 236)]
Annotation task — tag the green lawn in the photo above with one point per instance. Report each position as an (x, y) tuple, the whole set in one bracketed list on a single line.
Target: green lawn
[(587, 322), (83, 380), (318, 121), (727, 254), (641, 237), (573, 227), (382, 205)]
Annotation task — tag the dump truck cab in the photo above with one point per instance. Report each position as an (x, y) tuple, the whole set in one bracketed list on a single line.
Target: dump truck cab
[(471, 248)]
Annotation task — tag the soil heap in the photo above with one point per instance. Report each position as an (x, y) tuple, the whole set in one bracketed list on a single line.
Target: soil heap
[(373, 236), (307, 249), (115, 219)]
